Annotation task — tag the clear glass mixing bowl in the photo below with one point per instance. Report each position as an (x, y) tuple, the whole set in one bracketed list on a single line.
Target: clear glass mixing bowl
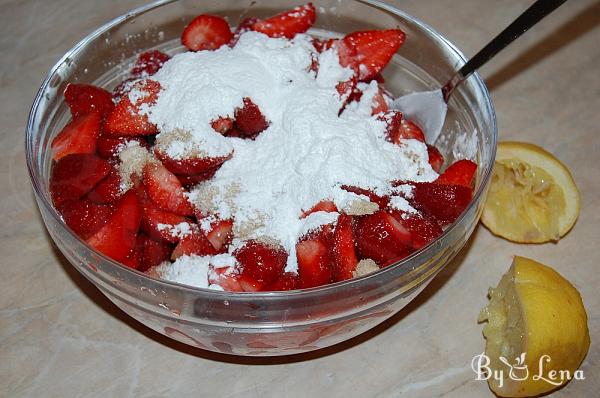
[(262, 324)]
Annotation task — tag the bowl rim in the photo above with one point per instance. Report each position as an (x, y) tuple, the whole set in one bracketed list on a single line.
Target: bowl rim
[(305, 293)]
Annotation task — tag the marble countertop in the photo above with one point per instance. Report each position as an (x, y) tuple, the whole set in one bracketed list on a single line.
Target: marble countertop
[(60, 337)]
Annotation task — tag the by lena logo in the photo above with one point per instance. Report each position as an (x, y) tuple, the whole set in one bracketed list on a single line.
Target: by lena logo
[(519, 371)]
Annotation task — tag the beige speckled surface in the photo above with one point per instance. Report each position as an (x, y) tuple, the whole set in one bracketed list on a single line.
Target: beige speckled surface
[(60, 337)]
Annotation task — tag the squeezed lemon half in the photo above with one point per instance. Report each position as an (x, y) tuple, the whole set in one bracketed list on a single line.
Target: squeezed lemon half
[(532, 196), (536, 312)]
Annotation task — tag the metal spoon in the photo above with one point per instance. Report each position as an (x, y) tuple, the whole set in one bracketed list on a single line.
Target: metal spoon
[(431, 117)]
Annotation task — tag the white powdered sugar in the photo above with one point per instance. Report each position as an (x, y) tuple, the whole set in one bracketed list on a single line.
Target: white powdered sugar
[(180, 230), (399, 203), (305, 155), (189, 270)]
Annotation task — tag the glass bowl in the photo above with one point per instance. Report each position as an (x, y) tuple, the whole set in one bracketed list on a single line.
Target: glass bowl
[(271, 323)]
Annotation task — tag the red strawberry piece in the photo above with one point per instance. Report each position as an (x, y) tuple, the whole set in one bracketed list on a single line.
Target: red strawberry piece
[(399, 129), (127, 119), (436, 160), (379, 104), (230, 280), (382, 238), (154, 253), (108, 190), (123, 88), (249, 119), (287, 281), (148, 63), (75, 175), (134, 260), (243, 27), (158, 223), (346, 52), (344, 253), (85, 98), (220, 234), (382, 201), (109, 145), (288, 23), (314, 263), (444, 202), (79, 136), (423, 229), (195, 243), (324, 205), (84, 217), (461, 172), (165, 190), (374, 50), (222, 125), (261, 262), (206, 32), (195, 179), (191, 165), (117, 238)]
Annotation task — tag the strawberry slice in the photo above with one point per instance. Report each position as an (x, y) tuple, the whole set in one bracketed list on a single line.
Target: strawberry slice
[(232, 281), (222, 125), (287, 281), (382, 201), (108, 146), (399, 129), (85, 98), (148, 63), (221, 234), (314, 263), (445, 202), (165, 190), (117, 238), (195, 179), (436, 160), (158, 223), (379, 104), (84, 217), (195, 243), (75, 175), (127, 118), (108, 190), (461, 172), (250, 120), (374, 50), (324, 205), (134, 260), (288, 23), (79, 136), (206, 32), (191, 165), (380, 237), (153, 254), (243, 27), (423, 229), (344, 253), (261, 262)]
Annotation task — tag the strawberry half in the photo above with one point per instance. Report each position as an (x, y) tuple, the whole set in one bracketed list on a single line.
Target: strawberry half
[(206, 32), (165, 190), (344, 253), (288, 23), (261, 262), (250, 120), (195, 243), (382, 238), (148, 63), (79, 136), (314, 263), (84, 217), (75, 175), (192, 165), (117, 238), (461, 172), (436, 159), (85, 98), (374, 50), (127, 119), (444, 202)]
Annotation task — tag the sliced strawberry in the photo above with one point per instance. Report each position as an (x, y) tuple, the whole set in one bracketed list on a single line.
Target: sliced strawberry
[(382, 201), (222, 125), (108, 190), (346, 52), (288, 23), (79, 136), (344, 253), (444, 202), (287, 281), (117, 238), (192, 165), (232, 281), (127, 118), (324, 205), (154, 253), (436, 160), (250, 120), (382, 238), (461, 172), (134, 260), (158, 223), (345, 89), (399, 129), (261, 262), (379, 104), (108, 146), (243, 27), (85, 98), (195, 243), (195, 179), (84, 217), (206, 32), (165, 190), (374, 50), (314, 263), (75, 175), (423, 229), (148, 63), (220, 234)]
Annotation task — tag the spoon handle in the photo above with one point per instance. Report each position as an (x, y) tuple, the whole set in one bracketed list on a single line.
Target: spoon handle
[(530, 17)]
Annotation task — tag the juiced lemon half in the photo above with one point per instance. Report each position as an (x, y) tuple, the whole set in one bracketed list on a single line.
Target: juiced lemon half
[(537, 334), (532, 196)]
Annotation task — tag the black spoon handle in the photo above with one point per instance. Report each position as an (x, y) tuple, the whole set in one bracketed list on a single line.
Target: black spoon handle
[(530, 17)]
